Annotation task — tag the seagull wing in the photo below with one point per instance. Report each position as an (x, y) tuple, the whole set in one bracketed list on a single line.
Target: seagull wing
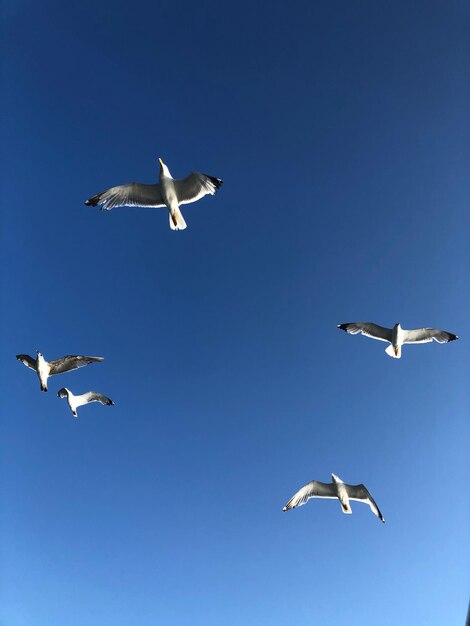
[(360, 493), (132, 194), (314, 489), (196, 186), (424, 335), (27, 360), (69, 363), (94, 396), (368, 329)]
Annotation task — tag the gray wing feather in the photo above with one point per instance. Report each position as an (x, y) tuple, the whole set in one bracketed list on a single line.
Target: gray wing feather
[(368, 329), (132, 194), (314, 489), (28, 361), (360, 493), (94, 396), (425, 335), (71, 362), (196, 186)]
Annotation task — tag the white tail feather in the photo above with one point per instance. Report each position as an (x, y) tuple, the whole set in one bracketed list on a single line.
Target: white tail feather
[(393, 352), (177, 220)]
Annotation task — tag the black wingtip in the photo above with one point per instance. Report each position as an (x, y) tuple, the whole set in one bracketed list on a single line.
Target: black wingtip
[(217, 182), (93, 201), (343, 327), (453, 337)]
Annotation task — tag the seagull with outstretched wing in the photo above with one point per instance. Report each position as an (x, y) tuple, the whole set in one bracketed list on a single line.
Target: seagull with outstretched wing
[(334, 490), (44, 368), (397, 336), (85, 398), (168, 192)]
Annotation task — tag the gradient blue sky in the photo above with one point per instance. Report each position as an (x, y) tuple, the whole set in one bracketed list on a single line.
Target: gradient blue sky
[(341, 130)]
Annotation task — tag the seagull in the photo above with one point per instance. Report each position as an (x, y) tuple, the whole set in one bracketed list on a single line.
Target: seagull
[(336, 489), (76, 401), (397, 335), (168, 192), (44, 368)]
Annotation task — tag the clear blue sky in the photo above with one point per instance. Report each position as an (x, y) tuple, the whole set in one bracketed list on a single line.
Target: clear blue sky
[(342, 133)]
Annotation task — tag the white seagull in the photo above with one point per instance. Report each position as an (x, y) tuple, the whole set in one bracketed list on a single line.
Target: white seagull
[(44, 368), (337, 489), (75, 401), (168, 192), (397, 335)]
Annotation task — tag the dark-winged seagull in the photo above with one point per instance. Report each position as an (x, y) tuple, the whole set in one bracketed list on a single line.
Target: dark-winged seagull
[(44, 368), (397, 335), (336, 489), (168, 192), (75, 401)]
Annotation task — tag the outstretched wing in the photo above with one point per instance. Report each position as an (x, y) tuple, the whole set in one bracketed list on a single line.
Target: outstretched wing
[(94, 396), (314, 489), (196, 186), (27, 360), (132, 194), (360, 493), (425, 335), (69, 363), (368, 329)]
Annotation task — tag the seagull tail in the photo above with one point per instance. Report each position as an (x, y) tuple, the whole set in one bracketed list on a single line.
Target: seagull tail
[(177, 220), (394, 352)]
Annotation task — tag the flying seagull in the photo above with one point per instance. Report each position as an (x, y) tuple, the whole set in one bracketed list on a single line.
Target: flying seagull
[(397, 335), (168, 192), (75, 401), (336, 489), (44, 368)]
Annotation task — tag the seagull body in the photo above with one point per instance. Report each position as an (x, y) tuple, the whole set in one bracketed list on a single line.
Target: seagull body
[(337, 489), (75, 401), (168, 192), (397, 336), (44, 368)]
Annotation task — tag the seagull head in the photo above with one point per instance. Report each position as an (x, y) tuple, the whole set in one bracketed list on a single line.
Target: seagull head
[(164, 169), (62, 393), (336, 479), (38, 353)]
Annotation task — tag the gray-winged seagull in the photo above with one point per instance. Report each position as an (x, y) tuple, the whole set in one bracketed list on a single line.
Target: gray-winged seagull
[(168, 192), (75, 401), (397, 335), (44, 368), (337, 489)]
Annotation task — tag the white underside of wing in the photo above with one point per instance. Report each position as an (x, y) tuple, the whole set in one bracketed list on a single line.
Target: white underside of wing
[(185, 200), (366, 334), (81, 400), (317, 497), (420, 341)]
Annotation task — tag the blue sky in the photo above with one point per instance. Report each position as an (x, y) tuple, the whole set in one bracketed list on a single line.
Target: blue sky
[(341, 131)]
